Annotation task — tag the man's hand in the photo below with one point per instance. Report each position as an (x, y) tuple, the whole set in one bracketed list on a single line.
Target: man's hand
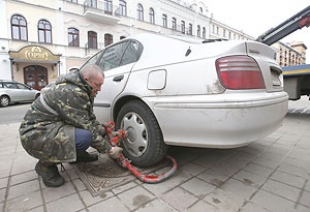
[(115, 152)]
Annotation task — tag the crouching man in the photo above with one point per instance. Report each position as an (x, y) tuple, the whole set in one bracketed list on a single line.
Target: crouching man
[(60, 124)]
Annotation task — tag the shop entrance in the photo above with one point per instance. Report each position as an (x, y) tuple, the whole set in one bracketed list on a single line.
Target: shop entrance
[(35, 76)]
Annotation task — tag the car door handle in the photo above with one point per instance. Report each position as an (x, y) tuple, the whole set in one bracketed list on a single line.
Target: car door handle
[(118, 78)]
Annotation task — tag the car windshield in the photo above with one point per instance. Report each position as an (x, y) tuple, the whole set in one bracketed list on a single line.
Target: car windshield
[(21, 86)]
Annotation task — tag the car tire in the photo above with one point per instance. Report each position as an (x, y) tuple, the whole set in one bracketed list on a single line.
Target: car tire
[(144, 144), (4, 101)]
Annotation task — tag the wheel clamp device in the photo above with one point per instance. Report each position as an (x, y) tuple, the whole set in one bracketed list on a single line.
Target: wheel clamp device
[(125, 163)]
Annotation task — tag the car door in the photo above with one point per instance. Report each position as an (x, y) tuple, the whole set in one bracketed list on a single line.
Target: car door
[(27, 94), (11, 89), (116, 62)]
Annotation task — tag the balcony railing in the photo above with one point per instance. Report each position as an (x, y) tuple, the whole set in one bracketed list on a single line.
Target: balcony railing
[(93, 48), (102, 10)]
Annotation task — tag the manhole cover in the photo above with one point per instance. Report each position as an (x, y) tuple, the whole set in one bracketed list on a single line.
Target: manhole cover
[(105, 174), (104, 167)]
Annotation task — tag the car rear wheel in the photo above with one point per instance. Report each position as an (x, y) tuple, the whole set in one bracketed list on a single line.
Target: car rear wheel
[(4, 101), (144, 144)]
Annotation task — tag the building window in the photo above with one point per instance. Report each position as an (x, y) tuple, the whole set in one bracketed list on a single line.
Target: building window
[(107, 5), (174, 23), (229, 35), (217, 30), (92, 3), (73, 1), (198, 31), (224, 33), (165, 20), (203, 32), (213, 29), (73, 37), (190, 29), (183, 27), (123, 8), (200, 9), (19, 28), (108, 39), (140, 12), (45, 31), (152, 16), (92, 40)]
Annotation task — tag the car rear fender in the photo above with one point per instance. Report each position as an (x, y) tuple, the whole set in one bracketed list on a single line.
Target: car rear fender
[(266, 58), (114, 83)]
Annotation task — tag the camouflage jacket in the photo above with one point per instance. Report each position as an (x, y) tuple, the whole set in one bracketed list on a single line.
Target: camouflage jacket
[(48, 129)]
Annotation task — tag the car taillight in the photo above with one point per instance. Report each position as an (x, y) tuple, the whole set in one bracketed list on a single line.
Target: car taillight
[(239, 72)]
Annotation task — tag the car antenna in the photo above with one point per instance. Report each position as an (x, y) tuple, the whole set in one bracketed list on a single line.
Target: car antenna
[(188, 51)]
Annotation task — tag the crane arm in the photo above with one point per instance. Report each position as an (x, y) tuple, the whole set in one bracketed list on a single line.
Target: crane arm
[(298, 21)]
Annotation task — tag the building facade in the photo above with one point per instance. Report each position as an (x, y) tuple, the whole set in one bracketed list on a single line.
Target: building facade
[(220, 30), (291, 54), (41, 40)]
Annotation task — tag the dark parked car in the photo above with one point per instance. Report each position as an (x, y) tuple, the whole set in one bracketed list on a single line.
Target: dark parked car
[(14, 92)]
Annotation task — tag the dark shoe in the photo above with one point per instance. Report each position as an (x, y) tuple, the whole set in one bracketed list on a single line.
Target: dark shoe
[(49, 173), (85, 157)]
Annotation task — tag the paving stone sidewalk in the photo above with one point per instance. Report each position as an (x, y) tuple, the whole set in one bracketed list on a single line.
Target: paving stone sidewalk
[(271, 174)]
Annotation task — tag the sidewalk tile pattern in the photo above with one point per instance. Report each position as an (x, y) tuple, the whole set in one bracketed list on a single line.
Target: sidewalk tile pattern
[(269, 175)]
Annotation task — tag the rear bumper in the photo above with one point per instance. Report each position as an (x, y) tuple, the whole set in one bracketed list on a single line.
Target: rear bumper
[(219, 121)]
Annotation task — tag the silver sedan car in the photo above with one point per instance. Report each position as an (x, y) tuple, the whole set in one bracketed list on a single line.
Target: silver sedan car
[(13, 92), (168, 90)]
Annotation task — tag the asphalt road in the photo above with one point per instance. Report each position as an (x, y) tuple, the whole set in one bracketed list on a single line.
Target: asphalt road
[(15, 113)]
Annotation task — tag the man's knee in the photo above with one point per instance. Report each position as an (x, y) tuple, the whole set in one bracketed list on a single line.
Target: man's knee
[(83, 139)]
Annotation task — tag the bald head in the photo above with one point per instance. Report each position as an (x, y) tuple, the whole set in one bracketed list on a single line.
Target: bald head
[(94, 77), (91, 72)]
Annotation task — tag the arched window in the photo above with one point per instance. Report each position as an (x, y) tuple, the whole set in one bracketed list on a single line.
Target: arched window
[(19, 28), (44, 31), (73, 37), (190, 29), (174, 23), (140, 12), (152, 16), (183, 27), (123, 7), (165, 24), (92, 40), (198, 31), (108, 39)]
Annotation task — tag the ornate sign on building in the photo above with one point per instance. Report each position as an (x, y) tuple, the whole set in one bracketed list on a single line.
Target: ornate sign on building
[(34, 53)]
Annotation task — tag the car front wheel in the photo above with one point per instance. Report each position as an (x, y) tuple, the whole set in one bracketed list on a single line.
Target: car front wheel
[(4, 101), (144, 144)]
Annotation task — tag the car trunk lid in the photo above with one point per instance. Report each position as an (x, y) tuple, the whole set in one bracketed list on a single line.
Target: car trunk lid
[(271, 71)]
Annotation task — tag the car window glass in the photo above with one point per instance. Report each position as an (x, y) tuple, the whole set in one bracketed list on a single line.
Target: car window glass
[(93, 59), (112, 56), (21, 86), (132, 53), (1, 85), (10, 85)]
